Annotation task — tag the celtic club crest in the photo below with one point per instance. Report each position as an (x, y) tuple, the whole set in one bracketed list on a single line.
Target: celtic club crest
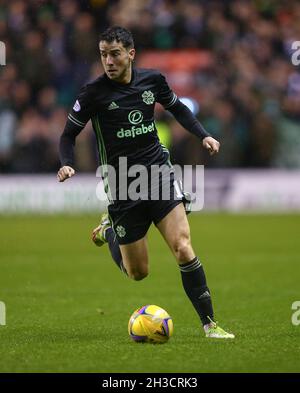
[(148, 97), (120, 231)]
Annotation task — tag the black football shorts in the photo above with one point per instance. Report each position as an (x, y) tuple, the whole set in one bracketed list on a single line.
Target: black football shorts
[(131, 223)]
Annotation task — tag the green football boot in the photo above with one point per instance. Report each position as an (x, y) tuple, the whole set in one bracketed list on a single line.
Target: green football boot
[(98, 235), (214, 331)]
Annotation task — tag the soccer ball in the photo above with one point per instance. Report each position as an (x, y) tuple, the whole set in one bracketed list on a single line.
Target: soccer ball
[(150, 324)]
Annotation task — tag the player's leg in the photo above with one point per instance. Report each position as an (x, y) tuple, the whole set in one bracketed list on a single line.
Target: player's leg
[(135, 258), (125, 232), (104, 233), (193, 277)]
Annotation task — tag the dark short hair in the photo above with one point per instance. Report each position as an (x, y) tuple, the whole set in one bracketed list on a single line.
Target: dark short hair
[(119, 34)]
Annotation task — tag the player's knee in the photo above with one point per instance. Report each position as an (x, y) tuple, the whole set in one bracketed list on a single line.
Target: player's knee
[(183, 249), (138, 274)]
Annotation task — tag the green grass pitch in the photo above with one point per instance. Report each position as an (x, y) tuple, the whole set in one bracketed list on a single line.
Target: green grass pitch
[(67, 305)]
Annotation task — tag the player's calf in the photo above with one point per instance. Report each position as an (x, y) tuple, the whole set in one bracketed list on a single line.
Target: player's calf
[(104, 233)]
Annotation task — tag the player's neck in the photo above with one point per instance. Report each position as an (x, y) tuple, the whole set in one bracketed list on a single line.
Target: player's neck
[(126, 78)]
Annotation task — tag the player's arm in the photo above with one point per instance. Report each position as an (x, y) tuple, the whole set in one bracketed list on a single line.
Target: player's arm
[(189, 121), (66, 151), (77, 120), (185, 117)]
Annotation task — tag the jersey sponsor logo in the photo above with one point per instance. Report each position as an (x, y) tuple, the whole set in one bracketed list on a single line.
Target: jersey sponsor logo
[(148, 97), (135, 131), (112, 106), (77, 106), (135, 117)]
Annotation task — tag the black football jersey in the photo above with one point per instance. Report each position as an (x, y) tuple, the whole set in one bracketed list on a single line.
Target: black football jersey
[(123, 120), (123, 117)]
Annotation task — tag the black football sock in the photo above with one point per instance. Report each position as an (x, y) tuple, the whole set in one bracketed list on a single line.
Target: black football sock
[(114, 248), (194, 283)]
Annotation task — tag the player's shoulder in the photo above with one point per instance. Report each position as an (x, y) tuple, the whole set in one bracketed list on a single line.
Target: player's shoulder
[(95, 86), (93, 89), (148, 73)]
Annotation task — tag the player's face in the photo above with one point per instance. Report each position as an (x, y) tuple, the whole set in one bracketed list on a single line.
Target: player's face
[(116, 60)]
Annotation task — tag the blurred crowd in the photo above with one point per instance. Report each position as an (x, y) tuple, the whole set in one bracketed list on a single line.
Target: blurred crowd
[(250, 92)]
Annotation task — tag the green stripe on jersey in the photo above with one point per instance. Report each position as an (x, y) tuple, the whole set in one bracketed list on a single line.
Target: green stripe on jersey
[(102, 153)]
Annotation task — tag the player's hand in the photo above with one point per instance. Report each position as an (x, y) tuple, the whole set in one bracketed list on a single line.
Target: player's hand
[(211, 144), (64, 173)]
